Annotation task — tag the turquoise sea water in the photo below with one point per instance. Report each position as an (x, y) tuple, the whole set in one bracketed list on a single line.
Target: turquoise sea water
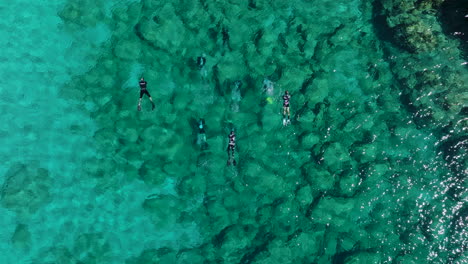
[(372, 168)]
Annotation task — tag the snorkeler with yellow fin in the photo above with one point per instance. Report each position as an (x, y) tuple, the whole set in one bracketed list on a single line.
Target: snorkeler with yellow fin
[(268, 88)]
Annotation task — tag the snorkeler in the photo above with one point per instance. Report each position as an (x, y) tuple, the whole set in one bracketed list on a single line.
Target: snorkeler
[(144, 91), (231, 148), (201, 61), (236, 96), (268, 86), (237, 85), (286, 98), (268, 89), (201, 138)]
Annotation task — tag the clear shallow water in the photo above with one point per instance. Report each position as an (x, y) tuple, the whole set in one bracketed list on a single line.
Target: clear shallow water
[(371, 170)]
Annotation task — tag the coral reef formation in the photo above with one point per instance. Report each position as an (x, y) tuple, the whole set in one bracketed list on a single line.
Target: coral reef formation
[(433, 87), (414, 23)]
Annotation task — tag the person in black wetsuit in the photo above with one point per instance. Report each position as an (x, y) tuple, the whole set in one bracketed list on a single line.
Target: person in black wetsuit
[(286, 98), (144, 91), (231, 148), (201, 60)]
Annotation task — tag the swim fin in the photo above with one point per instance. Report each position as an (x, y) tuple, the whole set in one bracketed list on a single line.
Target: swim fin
[(229, 162), (153, 106), (139, 107), (234, 162)]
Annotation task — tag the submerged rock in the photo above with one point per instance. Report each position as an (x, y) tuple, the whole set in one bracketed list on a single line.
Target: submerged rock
[(414, 24), (26, 188), (22, 237), (163, 210), (127, 49), (320, 180), (151, 173), (85, 13), (363, 257), (349, 184), (336, 212), (57, 254), (336, 157), (309, 141), (92, 248), (163, 29)]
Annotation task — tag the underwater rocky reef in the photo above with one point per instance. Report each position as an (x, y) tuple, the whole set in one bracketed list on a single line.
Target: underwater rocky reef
[(372, 168)]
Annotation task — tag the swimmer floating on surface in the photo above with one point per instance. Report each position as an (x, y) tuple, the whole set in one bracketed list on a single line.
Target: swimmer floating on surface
[(144, 91), (231, 148), (268, 89), (286, 98), (201, 138), (201, 61), (236, 96)]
